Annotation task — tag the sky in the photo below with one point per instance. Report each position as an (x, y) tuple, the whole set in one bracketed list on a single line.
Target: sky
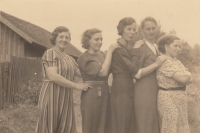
[(79, 15)]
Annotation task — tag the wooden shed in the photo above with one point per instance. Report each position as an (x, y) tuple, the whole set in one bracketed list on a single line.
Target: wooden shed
[(21, 38)]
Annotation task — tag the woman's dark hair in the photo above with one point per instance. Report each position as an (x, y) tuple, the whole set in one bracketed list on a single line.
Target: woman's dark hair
[(123, 23), (87, 35), (147, 19), (166, 40), (56, 31)]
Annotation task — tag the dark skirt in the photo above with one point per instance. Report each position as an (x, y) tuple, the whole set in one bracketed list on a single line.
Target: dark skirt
[(122, 105), (146, 91), (95, 109)]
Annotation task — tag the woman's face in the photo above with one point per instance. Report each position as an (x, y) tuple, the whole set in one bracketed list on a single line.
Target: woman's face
[(96, 42), (129, 32), (149, 30), (62, 40), (174, 48)]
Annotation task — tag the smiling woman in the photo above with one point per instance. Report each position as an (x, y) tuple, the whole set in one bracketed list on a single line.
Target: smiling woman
[(94, 67), (56, 108)]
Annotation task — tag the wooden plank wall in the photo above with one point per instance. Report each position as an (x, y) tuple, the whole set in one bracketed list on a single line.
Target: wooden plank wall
[(1, 93), (4, 73), (11, 44), (20, 71)]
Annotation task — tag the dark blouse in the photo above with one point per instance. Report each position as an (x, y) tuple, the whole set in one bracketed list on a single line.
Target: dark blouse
[(90, 65), (125, 60), (147, 57)]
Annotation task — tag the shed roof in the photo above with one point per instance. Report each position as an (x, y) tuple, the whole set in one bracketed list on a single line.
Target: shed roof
[(33, 33)]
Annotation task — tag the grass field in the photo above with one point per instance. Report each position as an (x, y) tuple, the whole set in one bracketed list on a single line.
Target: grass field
[(22, 118)]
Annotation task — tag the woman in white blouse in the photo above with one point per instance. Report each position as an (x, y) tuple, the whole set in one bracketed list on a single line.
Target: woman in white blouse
[(146, 89)]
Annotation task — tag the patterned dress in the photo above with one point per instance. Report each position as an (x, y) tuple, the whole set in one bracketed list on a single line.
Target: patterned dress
[(172, 104), (56, 102)]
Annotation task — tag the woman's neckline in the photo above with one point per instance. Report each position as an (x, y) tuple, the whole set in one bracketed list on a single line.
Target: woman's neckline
[(62, 52), (169, 57), (92, 53), (56, 48), (149, 41)]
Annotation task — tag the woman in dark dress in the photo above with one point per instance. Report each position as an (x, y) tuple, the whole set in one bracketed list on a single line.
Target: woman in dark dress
[(124, 64), (146, 89), (94, 67)]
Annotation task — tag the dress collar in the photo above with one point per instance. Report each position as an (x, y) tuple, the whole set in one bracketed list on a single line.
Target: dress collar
[(153, 47)]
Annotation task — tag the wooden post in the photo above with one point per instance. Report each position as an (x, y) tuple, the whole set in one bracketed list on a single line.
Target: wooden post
[(5, 80), (1, 87)]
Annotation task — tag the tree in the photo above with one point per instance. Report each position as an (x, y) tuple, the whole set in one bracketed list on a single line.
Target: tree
[(185, 55), (196, 55)]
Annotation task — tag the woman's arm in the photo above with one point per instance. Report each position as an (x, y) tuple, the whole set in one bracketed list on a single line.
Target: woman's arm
[(61, 81), (107, 61), (147, 70), (183, 78)]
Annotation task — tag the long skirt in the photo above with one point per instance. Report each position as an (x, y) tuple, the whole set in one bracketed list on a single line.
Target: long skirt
[(172, 108), (56, 109), (122, 105), (146, 91), (95, 109)]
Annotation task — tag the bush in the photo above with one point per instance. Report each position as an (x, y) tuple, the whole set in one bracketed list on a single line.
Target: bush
[(28, 94)]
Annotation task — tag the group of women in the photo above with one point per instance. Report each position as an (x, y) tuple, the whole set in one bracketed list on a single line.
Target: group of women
[(148, 88)]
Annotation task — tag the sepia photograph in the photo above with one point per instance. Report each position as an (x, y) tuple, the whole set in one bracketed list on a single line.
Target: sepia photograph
[(99, 66)]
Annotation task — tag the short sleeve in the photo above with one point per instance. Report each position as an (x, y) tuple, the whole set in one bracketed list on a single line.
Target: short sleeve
[(168, 68), (50, 59), (90, 67)]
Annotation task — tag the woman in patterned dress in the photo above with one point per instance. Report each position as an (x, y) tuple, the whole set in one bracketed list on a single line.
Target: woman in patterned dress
[(146, 89), (56, 108), (94, 67), (172, 79)]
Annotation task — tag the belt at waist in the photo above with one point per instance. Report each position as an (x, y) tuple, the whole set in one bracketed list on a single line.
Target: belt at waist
[(97, 82), (122, 75), (173, 89)]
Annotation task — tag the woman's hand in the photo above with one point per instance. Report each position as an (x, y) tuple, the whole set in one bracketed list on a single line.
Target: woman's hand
[(138, 44), (160, 60), (113, 47), (82, 86)]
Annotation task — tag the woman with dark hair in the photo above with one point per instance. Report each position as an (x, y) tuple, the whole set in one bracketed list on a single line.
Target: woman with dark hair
[(94, 67), (146, 90), (56, 107), (124, 64), (172, 79)]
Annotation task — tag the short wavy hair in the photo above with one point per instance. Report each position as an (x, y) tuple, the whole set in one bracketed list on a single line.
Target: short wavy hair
[(123, 23), (147, 19), (166, 40), (87, 35), (56, 31)]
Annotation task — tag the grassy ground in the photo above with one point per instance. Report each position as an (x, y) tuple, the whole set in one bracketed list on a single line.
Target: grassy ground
[(194, 104), (22, 118)]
